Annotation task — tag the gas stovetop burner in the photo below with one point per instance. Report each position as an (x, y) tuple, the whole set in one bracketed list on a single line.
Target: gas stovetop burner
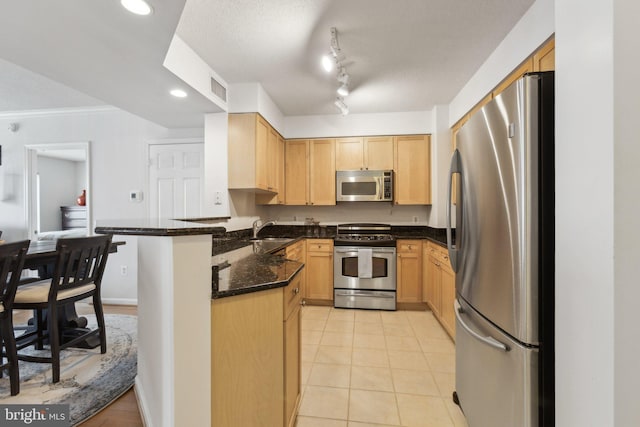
[(364, 235)]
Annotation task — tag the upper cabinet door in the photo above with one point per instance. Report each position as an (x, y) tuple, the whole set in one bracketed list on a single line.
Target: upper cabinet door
[(322, 165), (263, 147), (378, 153), (545, 58), (412, 170), (349, 154), (297, 172)]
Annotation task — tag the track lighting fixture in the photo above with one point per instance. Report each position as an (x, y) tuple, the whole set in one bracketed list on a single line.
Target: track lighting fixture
[(343, 78), (333, 60), (341, 106)]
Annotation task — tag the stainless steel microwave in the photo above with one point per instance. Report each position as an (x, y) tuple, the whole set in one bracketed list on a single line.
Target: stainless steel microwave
[(364, 186)]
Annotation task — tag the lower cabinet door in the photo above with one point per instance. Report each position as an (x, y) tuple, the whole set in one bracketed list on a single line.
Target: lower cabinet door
[(292, 360)]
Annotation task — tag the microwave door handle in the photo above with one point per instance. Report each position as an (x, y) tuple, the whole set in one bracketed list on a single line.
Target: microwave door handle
[(379, 188)]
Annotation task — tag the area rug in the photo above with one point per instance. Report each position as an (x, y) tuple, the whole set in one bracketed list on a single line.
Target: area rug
[(89, 381)]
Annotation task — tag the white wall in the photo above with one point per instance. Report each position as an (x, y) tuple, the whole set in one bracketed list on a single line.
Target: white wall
[(526, 36), (626, 207), (118, 146), (58, 187), (597, 200), (412, 122), (584, 214)]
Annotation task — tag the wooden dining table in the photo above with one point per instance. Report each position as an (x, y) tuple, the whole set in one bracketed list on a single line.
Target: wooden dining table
[(41, 256)]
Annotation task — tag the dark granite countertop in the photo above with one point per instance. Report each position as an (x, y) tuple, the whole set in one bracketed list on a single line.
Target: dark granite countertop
[(253, 273), (259, 270), (157, 227)]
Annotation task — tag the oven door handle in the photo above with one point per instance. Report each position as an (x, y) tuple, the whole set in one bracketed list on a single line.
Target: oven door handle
[(362, 294), (375, 251)]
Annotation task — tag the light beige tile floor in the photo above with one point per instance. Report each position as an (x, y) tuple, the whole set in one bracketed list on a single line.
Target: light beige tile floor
[(376, 369)]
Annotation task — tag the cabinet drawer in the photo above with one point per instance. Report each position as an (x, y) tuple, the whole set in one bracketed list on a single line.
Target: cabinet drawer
[(320, 245), (409, 246), (291, 296)]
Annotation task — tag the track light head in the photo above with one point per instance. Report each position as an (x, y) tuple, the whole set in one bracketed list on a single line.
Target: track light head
[(341, 106), (328, 63), (343, 90)]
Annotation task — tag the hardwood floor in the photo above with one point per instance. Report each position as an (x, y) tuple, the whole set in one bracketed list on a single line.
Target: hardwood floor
[(123, 412)]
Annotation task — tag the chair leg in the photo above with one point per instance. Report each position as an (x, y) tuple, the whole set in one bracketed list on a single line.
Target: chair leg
[(39, 321), (12, 354), (97, 306), (54, 342)]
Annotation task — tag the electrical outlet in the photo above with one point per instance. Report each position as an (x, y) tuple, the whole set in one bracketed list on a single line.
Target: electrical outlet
[(123, 270), (218, 198)]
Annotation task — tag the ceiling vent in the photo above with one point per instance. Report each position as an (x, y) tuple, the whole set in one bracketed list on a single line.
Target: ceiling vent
[(218, 89)]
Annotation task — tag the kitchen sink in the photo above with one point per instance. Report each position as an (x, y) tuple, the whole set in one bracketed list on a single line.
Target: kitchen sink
[(266, 245)]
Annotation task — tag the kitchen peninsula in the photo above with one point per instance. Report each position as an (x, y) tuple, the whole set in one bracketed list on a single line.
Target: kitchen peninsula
[(191, 327)]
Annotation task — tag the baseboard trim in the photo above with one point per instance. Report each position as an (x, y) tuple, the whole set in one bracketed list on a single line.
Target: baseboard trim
[(141, 399), (120, 301)]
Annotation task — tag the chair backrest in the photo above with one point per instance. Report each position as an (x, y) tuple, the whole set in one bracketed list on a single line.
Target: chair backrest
[(11, 263), (80, 261)]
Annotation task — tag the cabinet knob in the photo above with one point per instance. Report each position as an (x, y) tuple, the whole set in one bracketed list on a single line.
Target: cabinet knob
[(296, 291)]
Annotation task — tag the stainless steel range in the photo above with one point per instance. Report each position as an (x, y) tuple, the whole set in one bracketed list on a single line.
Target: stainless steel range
[(364, 267)]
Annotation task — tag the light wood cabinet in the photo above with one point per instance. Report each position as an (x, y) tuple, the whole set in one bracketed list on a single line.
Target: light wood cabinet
[(322, 172), (412, 167), (247, 360), (319, 267), (298, 252), (310, 172), (409, 271), (297, 172), (378, 152), (349, 154), (292, 350), (431, 280), (448, 291), (545, 59), (364, 153), (254, 162), (439, 286), (256, 357), (276, 162)]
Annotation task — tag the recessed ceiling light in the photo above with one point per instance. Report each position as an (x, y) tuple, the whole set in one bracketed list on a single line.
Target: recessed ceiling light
[(139, 7), (178, 93)]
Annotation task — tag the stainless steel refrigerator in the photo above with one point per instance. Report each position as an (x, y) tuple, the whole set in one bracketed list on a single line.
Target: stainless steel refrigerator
[(503, 257)]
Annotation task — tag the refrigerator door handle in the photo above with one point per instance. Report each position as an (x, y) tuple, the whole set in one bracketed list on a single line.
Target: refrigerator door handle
[(453, 168), (492, 342)]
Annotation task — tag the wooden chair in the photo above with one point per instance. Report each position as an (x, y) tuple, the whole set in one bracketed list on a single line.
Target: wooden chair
[(11, 263), (77, 275)]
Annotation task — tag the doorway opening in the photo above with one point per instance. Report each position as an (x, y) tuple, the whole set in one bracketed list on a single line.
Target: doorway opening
[(58, 190)]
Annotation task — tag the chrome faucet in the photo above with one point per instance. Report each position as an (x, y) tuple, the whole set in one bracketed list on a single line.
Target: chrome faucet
[(256, 228)]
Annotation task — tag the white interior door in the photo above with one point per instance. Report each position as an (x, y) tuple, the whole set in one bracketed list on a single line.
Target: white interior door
[(176, 180)]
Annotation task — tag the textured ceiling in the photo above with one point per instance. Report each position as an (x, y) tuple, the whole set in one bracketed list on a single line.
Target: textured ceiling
[(402, 55), (98, 49)]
